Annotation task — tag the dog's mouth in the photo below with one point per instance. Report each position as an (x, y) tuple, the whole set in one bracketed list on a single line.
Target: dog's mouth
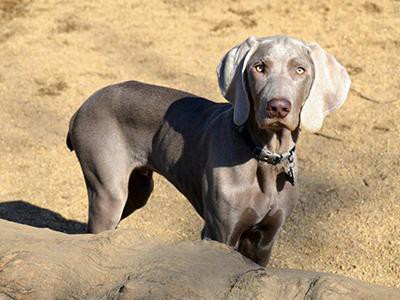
[(274, 125)]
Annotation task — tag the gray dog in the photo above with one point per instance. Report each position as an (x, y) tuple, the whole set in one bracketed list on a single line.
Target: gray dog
[(235, 162)]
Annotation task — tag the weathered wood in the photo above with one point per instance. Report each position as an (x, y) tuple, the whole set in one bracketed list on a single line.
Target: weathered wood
[(44, 264)]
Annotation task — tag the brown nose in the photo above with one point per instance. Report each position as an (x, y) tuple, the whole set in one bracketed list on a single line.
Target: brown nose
[(278, 108)]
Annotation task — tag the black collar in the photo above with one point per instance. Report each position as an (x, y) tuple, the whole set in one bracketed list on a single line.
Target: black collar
[(265, 155)]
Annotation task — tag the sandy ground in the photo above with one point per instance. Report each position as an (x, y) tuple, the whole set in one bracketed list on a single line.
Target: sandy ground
[(53, 54)]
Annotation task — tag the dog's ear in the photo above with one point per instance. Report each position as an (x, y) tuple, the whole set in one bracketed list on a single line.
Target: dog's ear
[(328, 91), (230, 72)]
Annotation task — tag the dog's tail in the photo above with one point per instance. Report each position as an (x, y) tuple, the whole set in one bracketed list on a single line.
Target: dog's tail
[(68, 140)]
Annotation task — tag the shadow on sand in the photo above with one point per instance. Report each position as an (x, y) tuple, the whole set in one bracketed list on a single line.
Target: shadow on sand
[(22, 212)]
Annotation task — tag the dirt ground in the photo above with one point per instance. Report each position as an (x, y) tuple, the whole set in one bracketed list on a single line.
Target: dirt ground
[(53, 54)]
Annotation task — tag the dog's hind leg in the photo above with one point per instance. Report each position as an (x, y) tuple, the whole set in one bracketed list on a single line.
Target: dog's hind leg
[(106, 170)]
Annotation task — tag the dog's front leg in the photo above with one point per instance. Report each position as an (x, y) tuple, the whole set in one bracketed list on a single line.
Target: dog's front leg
[(224, 232), (226, 223), (227, 205), (256, 243)]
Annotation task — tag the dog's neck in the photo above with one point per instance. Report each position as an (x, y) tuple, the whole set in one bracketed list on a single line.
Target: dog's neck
[(280, 143)]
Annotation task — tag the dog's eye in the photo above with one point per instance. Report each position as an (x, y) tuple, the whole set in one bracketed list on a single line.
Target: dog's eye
[(260, 68), (300, 70)]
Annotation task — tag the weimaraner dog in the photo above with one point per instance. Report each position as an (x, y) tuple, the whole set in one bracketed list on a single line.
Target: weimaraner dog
[(235, 162)]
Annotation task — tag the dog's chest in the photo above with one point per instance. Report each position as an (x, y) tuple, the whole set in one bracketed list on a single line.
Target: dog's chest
[(269, 187), (266, 178)]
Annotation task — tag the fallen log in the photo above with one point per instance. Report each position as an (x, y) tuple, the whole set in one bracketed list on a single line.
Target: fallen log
[(44, 264)]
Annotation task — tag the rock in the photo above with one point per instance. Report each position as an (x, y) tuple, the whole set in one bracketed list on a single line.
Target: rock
[(45, 264)]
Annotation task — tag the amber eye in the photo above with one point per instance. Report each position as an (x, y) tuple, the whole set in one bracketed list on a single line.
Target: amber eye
[(300, 70), (260, 68)]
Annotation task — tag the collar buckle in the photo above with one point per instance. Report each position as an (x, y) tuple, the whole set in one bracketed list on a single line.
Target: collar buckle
[(273, 158), (268, 157)]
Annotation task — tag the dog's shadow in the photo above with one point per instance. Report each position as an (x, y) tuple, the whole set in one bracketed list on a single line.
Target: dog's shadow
[(22, 212)]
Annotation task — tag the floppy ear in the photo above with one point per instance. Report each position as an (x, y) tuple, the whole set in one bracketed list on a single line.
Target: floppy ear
[(230, 72), (328, 91)]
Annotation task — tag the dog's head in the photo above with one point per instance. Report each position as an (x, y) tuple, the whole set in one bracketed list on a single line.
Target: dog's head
[(283, 81)]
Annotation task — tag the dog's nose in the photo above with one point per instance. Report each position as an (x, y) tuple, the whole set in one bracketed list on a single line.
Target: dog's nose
[(278, 108)]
